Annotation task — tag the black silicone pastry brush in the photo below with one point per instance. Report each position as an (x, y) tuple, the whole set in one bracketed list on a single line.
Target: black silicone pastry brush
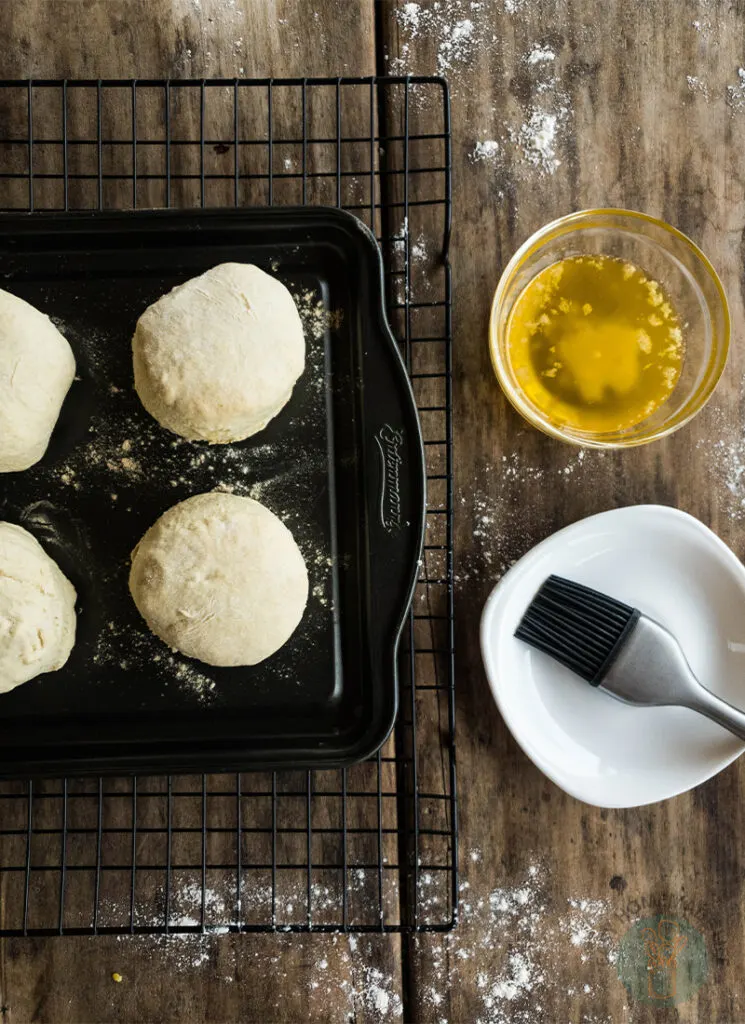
[(615, 647)]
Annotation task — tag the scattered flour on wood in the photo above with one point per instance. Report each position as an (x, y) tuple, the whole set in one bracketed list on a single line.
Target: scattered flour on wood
[(409, 17), (459, 33), (456, 36), (536, 138), (723, 450), (539, 55), (534, 142), (696, 85), (508, 516), (537, 141), (726, 460), (485, 151), (526, 943), (456, 46), (703, 25), (456, 30), (736, 93)]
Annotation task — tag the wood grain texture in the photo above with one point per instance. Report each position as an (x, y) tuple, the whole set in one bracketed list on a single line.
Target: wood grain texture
[(253, 977), (185, 38), (648, 116)]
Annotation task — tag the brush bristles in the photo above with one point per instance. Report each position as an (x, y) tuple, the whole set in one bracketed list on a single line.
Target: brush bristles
[(579, 627)]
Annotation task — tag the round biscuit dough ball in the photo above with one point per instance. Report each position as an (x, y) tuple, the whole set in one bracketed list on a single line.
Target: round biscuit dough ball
[(220, 578), (217, 357), (37, 609), (37, 367)]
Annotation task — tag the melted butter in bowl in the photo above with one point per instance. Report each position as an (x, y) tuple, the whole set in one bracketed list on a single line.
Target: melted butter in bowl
[(595, 343), (609, 329)]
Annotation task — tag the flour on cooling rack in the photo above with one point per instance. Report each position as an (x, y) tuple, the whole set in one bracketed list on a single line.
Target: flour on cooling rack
[(411, 258), (339, 967), (519, 944)]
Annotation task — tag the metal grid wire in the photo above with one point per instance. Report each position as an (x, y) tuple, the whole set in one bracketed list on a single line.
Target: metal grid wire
[(369, 848)]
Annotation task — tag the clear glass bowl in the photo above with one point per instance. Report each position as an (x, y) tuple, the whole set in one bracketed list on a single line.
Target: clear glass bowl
[(667, 256)]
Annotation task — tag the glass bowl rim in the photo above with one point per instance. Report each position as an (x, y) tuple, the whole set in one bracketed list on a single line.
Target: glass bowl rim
[(718, 358)]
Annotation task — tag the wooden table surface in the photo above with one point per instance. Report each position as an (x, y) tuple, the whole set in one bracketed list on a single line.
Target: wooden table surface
[(642, 105)]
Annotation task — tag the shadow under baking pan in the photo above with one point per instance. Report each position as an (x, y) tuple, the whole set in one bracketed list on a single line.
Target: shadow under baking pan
[(124, 701)]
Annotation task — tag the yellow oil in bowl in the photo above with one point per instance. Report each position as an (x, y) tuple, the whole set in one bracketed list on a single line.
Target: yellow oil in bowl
[(594, 343)]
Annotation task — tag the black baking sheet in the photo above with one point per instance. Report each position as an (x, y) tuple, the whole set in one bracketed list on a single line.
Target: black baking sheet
[(342, 465)]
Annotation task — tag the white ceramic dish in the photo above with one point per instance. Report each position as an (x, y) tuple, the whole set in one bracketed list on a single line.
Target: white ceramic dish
[(599, 750)]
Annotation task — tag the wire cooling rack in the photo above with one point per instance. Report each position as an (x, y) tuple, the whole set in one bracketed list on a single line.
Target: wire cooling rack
[(369, 848)]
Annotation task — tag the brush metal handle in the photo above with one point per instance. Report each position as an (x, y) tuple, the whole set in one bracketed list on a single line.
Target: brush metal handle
[(719, 711), (651, 670)]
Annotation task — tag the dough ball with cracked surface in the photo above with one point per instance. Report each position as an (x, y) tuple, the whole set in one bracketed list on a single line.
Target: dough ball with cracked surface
[(217, 357), (37, 609), (37, 367), (220, 578)]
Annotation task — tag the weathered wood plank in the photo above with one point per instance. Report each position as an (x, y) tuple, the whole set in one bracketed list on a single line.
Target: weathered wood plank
[(558, 105)]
